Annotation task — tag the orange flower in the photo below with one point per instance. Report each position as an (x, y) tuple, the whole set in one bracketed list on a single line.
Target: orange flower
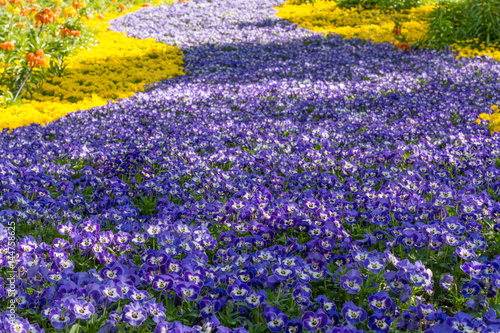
[(20, 24), (36, 59), (122, 7), (3, 2), (9, 46), (46, 16), (396, 31), (41, 56), (403, 46), (24, 11), (77, 4), (64, 32), (31, 1), (16, 2), (100, 16), (146, 4), (31, 59)]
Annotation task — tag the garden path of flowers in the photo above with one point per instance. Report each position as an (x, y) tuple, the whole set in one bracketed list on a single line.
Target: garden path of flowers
[(289, 181)]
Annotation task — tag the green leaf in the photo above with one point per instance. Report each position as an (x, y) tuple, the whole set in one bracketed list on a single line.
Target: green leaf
[(74, 328), (229, 307), (32, 312)]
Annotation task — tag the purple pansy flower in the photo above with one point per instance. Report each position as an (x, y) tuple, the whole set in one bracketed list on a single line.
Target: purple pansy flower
[(352, 313), (276, 320), (313, 321), (238, 291), (379, 323), (83, 310), (460, 322), (351, 281), (60, 319), (135, 314), (380, 302), (255, 299), (187, 290)]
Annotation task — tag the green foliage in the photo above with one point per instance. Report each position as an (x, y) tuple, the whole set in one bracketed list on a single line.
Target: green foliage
[(300, 2), (464, 21), (380, 4)]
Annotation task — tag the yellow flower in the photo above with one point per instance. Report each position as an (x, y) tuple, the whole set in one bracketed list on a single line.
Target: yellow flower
[(494, 119), (325, 16), (69, 11), (494, 129), (484, 116), (374, 25)]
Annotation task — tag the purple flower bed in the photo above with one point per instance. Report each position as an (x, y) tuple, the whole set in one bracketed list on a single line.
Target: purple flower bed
[(289, 182)]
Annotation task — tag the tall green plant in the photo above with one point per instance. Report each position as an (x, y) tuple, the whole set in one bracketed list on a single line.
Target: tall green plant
[(484, 21), (464, 20)]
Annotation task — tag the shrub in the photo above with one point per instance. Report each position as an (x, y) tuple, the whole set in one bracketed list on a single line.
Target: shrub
[(464, 21), (380, 4), (368, 4), (300, 2)]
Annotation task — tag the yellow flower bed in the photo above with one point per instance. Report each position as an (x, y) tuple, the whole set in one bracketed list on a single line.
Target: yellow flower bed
[(493, 119), (117, 67), (325, 16), (492, 50)]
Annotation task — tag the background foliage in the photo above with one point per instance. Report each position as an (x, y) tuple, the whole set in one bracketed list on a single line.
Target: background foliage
[(381, 4), (463, 21)]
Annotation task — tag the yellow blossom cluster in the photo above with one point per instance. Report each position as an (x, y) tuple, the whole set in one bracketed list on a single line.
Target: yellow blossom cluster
[(492, 50), (117, 67), (493, 119), (374, 25)]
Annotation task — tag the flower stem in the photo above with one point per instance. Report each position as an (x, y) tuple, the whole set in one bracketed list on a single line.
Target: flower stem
[(429, 248), (105, 306), (40, 31), (29, 73), (22, 84)]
